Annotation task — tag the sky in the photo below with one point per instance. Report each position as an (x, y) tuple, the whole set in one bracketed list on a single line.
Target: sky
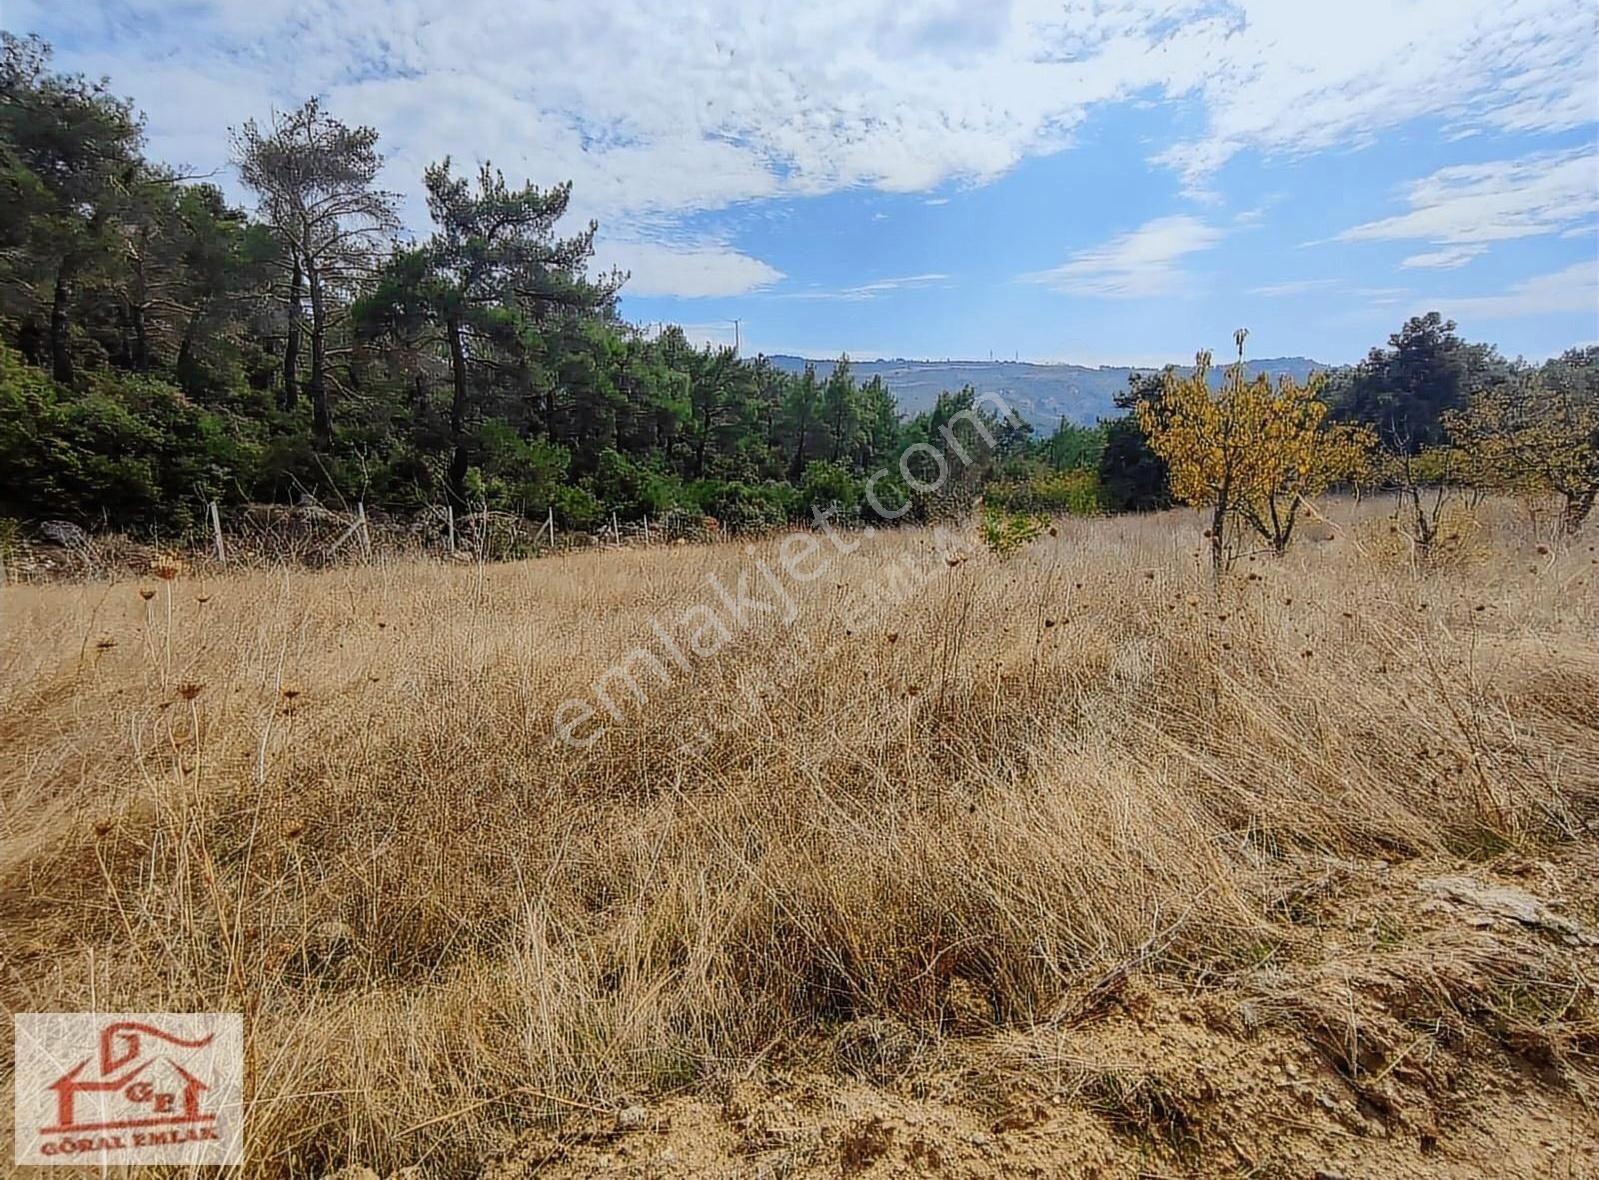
[(1094, 181)]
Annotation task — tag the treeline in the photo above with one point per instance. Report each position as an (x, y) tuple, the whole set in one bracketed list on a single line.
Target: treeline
[(1438, 412), (160, 348)]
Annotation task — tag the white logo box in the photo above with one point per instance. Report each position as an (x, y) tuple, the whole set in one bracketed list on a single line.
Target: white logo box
[(124, 1088)]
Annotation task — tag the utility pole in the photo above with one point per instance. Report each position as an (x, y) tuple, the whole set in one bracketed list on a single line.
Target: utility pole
[(736, 338)]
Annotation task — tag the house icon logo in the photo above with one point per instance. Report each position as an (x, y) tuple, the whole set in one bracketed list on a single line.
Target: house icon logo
[(129, 1088)]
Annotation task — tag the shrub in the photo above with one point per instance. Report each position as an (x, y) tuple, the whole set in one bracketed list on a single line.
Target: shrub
[(1053, 493), (1132, 477), (131, 452), (830, 488), (740, 505), (1005, 532), (576, 507)]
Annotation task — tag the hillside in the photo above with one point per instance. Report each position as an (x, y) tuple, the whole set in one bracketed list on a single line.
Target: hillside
[(1043, 394)]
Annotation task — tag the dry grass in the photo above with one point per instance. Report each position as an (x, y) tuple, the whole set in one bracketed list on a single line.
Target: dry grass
[(331, 801)]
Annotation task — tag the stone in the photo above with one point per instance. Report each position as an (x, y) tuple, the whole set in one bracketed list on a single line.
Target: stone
[(1488, 905), (631, 1118)]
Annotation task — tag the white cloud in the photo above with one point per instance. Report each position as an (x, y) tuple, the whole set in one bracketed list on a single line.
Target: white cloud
[(1574, 289), (1449, 258), (1141, 263), (739, 100), (872, 290), (1380, 296), (1300, 78), (690, 271), (1472, 204), (1294, 287)]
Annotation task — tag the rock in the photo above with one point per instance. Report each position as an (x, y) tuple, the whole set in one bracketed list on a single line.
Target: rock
[(631, 1118), (64, 533), (1491, 905)]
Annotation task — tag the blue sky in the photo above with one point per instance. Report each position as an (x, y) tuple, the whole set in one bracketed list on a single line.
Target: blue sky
[(1099, 181)]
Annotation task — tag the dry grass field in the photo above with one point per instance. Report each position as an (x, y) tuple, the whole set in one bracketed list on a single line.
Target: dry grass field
[(1066, 864)]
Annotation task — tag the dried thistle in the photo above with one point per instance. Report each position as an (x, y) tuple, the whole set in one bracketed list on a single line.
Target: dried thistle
[(166, 567), (189, 689)]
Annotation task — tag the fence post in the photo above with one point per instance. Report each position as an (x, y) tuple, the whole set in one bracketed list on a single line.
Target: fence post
[(646, 528), (616, 529), (449, 514), (366, 535), (551, 523), (216, 528)]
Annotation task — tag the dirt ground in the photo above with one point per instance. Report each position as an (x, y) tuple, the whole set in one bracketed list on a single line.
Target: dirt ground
[(1427, 1025)]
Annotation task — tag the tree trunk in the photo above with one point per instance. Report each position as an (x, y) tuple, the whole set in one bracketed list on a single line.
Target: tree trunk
[(140, 351), (291, 350), (186, 348), (1218, 525), (1218, 522), (317, 388), (797, 467), (457, 413), (141, 338), (1282, 528), (699, 449), (60, 353)]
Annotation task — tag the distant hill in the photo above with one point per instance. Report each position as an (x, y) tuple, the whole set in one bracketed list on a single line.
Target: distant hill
[(1042, 394)]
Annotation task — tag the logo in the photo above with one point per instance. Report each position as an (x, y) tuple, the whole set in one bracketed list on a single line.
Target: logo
[(129, 1088)]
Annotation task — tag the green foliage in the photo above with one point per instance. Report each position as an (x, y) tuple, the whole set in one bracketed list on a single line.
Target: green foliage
[(155, 344), (1073, 492), (577, 508), (1072, 447), (741, 506), (1405, 390), (1132, 477), (1006, 532), (129, 452), (828, 487)]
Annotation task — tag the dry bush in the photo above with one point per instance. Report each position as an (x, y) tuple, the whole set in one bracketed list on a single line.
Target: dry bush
[(1022, 781)]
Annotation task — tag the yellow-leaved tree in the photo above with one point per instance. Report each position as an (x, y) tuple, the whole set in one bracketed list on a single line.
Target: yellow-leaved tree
[(1250, 450), (1537, 436)]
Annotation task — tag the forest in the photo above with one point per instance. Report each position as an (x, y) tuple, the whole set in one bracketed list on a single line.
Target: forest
[(161, 348)]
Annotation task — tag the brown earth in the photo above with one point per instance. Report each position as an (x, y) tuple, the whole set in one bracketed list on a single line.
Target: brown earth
[(1395, 1040)]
